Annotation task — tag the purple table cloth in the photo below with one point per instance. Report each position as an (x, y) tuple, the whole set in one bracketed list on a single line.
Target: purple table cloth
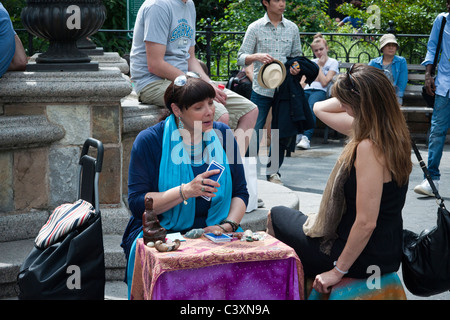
[(203, 270)]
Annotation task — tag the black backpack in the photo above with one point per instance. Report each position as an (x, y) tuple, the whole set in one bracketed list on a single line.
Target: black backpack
[(240, 83)]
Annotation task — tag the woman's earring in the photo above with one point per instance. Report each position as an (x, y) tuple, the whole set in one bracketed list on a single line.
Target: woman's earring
[(180, 123)]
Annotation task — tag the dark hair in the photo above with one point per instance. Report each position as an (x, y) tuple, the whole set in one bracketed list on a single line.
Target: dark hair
[(195, 90), (264, 5)]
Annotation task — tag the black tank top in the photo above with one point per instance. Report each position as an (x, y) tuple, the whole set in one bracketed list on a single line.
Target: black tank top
[(384, 248)]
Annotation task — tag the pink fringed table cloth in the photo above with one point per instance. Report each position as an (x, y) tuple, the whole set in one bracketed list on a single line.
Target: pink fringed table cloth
[(203, 270)]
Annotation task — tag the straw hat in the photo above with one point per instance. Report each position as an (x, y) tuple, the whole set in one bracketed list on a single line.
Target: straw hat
[(272, 75), (386, 39)]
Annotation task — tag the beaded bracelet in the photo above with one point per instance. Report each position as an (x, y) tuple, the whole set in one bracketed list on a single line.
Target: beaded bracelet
[(224, 230), (182, 195), (233, 224)]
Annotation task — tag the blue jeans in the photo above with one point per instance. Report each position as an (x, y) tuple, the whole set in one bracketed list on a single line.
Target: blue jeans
[(264, 104), (313, 96), (440, 123)]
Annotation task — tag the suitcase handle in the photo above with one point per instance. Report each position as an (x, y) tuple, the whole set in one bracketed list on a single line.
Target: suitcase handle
[(91, 142)]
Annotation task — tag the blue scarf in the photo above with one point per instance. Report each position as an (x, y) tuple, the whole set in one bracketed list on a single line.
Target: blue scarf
[(176, 169)]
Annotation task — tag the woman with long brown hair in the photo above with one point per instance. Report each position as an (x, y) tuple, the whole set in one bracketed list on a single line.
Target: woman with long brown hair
[(359, 223)]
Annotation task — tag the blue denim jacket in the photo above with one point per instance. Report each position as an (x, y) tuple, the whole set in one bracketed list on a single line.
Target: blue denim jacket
[(399, 72)]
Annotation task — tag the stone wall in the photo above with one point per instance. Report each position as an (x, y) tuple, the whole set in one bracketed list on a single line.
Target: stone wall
[(136, 117), (45, 117)]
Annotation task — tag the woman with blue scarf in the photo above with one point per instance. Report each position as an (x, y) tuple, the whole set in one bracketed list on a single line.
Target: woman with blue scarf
[(169, 162)]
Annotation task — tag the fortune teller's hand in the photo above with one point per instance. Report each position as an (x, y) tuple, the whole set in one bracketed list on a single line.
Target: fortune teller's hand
[(201, 185), (214, 229)]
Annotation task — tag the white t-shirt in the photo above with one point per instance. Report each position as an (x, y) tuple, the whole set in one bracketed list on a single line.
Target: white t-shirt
[(330, 65), (167, 22)]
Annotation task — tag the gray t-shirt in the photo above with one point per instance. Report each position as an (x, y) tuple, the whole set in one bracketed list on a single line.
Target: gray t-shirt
[(167, 22)]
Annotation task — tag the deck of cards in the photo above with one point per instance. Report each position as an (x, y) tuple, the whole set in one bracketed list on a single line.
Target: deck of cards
[(218, 238), (212, 166)]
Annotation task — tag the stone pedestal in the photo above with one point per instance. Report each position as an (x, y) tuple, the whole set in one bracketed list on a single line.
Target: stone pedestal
[(106, 60), (45, 117), (112, 59)]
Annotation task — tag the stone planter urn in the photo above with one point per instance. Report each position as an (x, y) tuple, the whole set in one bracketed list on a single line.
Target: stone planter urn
[(63, 23)]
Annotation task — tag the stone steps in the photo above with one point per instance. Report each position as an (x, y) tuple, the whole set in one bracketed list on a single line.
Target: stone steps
[(13, 253)]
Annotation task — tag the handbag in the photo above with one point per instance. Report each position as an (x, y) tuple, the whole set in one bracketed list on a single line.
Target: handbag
[(240, 84), (429, 100), (67, 261), (426, 256)]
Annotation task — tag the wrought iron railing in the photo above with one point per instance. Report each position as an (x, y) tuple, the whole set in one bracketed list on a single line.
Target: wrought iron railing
[(218, 49)]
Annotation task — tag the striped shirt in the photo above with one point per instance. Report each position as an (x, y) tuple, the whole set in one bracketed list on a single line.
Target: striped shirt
[(280, 42)]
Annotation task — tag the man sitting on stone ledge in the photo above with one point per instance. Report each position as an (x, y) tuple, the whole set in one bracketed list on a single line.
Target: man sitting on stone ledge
[(164, 48), (12, 54)]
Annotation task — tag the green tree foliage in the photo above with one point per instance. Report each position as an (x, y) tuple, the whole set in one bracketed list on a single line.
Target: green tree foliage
[(308, 15), (14, 8), (409, 16), (116, 19)]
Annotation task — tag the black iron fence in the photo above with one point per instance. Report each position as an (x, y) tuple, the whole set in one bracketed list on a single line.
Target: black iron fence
[(218, 49)]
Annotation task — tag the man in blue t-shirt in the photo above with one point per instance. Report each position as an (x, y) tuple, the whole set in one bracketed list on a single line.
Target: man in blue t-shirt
[(12, 54)]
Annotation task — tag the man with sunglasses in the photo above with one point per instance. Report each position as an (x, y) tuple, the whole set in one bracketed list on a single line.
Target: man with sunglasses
[(440, 88), (164, 47)]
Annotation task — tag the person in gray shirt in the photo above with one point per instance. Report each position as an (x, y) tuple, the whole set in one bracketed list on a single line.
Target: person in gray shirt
[(164, 47)]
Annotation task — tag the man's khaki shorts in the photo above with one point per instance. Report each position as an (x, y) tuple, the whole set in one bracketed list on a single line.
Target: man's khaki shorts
[(237, 106)]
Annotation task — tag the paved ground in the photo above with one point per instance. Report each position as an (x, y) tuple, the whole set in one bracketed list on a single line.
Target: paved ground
[(306, 172)]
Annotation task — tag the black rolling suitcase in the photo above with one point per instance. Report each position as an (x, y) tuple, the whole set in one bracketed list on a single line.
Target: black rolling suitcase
[(67, 262)]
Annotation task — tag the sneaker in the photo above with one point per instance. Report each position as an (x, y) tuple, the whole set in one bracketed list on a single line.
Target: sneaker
[(304, 143), (260, 203), (425, 189), (275, 178)]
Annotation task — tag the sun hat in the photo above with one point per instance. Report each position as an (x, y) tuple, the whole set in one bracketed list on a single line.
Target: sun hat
[(386, 39), (272, 75)]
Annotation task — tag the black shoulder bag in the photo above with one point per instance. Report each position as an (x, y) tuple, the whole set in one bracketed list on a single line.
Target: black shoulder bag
[(426, 256), (430, 99)]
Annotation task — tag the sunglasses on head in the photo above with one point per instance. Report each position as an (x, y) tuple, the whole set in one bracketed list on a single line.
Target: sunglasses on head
[(351, 80), (181, 80)]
